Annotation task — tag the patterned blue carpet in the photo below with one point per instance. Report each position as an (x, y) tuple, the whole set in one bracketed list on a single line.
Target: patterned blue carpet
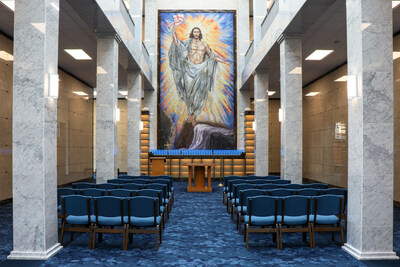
[(199, 233)]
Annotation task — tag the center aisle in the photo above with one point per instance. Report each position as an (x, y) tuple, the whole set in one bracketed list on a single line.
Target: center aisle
[(201, 233)]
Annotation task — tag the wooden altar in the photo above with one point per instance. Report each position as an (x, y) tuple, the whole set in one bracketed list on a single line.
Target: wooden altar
[(199, 177)]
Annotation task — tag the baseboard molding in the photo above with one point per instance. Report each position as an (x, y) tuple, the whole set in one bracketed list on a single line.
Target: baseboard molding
[(369, 255), (30, 255)]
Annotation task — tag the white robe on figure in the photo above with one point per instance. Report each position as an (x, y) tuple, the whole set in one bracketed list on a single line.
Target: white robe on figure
[(193, 81)]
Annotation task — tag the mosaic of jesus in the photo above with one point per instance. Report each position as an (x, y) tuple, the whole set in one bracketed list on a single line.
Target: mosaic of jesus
[(197, 80)]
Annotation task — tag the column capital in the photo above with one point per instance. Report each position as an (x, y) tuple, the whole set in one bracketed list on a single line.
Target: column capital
[(284, 36)]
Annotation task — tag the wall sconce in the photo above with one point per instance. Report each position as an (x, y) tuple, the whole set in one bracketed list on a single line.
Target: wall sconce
[(280, 114), (53, 86), (254, 126), (118, 115), (352, 90), (141, 125)]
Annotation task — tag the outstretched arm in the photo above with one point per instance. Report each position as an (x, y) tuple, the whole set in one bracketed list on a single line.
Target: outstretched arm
[(174, 37)]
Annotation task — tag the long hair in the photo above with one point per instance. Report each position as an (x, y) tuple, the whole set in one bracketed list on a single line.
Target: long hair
[(191, 33)]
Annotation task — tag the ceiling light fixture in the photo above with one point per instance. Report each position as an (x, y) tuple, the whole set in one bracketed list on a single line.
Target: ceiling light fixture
[(80, 93), (9, 3), (342, 79), (312, 94), (396, 55), (296, 70), (78, 54), (319, 54), (6, 56)]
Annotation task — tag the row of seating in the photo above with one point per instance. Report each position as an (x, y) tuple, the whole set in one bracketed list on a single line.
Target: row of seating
[(109, 214), (293, 214)]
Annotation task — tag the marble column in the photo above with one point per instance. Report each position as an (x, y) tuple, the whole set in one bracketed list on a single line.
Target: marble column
[(259, 13), (151, 45), (106, 109), (243, 97), (134, 118), (370, 136), (35, 226), (291, 105), (261, 119)]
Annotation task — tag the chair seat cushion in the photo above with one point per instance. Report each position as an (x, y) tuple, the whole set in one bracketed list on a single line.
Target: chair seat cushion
[(239, 208), (230, 195), (325, 219), (165, 201), (59, 208), (71, 219), (144, 221), (295, 220), (162, 208), (225, 189), (235, 200), (260, 220), (111, 220)]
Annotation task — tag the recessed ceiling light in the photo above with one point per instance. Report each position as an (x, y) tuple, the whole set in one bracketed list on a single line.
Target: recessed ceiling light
[(271, 93), (395, 4), (319, 54), (312, 94), (40, 26), (123, 92), (6, 56), (296, 70), (9, 3), (78, 54), (80, 93), (342, 79), (396, 55)]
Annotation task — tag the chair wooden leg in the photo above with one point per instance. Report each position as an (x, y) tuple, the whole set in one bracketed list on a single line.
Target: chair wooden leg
[(94, 237), (280, 237), (247, 237), (157, 238), (333, 236), (71, 236), (244, 234), (341, 234), (223, 197), (233, 214), (313, 235), (161, 235), (62, 233), (124, 244), (90, 236), (310, 235)]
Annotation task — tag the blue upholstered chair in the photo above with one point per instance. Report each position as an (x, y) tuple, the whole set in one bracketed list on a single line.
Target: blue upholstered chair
[(327, 216), (229, 195), (281, 192), (155, 194), (261, 212), (83, 185), (280, 181), (138, 181), (242, 208), (77, 216), (295, 212), (236, 197), (117, 181), (107, 186), (93, 192), (110, 217), (340, 192), (262, 182), (163, 188), (120, 193), (169, 194), (65, 191), (144, 212), (269, 186), (293, 186), (131, 186), (226, 186), (316, 186), (312, 192)]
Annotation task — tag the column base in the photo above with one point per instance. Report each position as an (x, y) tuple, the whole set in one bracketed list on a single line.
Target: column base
[(369, 255), (29, 255)]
